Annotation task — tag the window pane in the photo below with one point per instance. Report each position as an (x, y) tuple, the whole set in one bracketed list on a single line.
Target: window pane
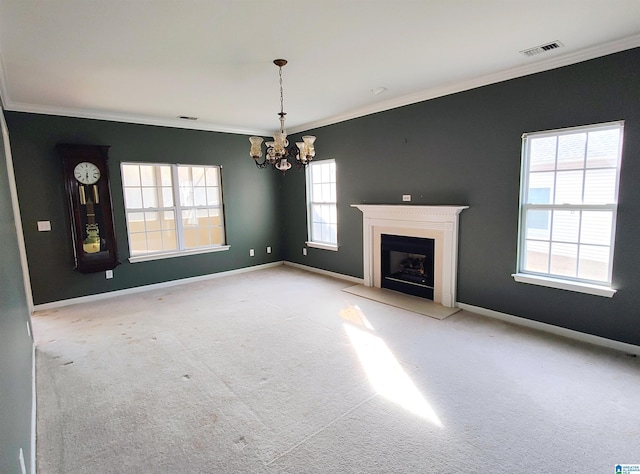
[(536, 256), (138, 243), (213, 196), (198, 176), (168, 220), (186, 196), (133, 198), (184, 176), (169, 240), (603, 148), (569, 187), (147, 175), (215, 217), (154, 241), (211, 175), (167, 197), (594, 263), (596, 227), (543, 154), (540, 188), (538, 224), (136, 221), (564, 259), (600, 186), (200, 196), (131, 175), (152, 220), (566, 225), (165, 176), (217, 236), (571, 150), (149, 197)]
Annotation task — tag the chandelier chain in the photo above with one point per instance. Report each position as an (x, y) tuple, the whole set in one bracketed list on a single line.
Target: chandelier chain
[(281, 102)]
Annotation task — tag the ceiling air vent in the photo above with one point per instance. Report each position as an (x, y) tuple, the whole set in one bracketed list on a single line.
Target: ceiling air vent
[(186, 117), (542, 49)]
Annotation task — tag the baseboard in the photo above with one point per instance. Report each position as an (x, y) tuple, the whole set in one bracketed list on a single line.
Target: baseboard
[(154, 286), (32, 468), (340, 276), (550, 328)]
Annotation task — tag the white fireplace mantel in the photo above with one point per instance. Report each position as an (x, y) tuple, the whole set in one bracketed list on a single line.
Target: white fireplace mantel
[(433, 222)]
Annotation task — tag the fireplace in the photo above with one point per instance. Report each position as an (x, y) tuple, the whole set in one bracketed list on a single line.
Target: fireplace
[(406, 265), (438, 223)]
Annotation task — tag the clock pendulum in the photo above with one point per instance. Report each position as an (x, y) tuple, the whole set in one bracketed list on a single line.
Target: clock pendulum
[(91, 243)]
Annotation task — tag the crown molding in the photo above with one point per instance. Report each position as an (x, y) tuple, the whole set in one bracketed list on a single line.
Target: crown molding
[(555, 62), (129, 118)]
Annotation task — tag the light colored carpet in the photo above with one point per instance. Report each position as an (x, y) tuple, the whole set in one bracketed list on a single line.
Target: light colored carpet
[(279, 371), (400, 300)]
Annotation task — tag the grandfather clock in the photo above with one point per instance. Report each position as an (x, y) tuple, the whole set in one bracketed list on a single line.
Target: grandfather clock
[(86, 178)]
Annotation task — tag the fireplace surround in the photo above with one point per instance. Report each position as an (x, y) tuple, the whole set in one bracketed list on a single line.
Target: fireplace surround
[(439, 223)]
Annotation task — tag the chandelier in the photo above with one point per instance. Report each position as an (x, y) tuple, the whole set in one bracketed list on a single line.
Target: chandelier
[(279, 154)]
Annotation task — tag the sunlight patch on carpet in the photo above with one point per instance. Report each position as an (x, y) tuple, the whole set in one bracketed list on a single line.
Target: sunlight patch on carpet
[(385, 373)]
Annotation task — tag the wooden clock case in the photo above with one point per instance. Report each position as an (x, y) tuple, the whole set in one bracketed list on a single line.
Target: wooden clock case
[(90, 209)]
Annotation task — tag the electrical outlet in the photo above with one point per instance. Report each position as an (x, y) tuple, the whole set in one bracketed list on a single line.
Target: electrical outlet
[(251, 252), (109, 274), (406, 197), (268, 249), (304, 252), (44, 226)]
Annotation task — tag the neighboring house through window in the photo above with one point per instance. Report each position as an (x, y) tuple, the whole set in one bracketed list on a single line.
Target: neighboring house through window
[(322, 209), (172, 210), (568, 205)]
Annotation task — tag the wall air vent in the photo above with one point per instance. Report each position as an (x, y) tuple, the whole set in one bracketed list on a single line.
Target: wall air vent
[(542, 49)]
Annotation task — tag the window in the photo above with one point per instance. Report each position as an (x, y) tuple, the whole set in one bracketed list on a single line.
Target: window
[(172, 210), (568, 203), (322, 210)]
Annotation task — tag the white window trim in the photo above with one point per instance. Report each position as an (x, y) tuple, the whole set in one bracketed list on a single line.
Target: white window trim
[(319, 245), (552, 281), (311, 243), (161, 256), (173, 253), (570, 285)]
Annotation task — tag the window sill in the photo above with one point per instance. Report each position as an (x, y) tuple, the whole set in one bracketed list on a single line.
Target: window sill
[(598, 290), (160, 256), (318, 245)]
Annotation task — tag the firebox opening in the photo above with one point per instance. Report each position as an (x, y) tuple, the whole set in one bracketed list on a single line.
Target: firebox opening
[(407, 265)]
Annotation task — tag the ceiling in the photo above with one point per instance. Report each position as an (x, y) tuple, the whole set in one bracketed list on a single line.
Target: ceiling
[(150, 61)]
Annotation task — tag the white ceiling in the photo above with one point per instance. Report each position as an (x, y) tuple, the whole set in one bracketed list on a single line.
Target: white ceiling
[(149, 61)]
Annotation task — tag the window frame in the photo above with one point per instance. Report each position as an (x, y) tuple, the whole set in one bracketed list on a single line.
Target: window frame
[(311, 242), (177, 208), (549, 279)]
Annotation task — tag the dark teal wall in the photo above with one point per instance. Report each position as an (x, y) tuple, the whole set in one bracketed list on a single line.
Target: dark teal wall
[(252, 216), (464, 149), (15, 343)]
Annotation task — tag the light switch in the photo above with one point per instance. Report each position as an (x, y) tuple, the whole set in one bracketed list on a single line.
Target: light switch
[(44, 226)]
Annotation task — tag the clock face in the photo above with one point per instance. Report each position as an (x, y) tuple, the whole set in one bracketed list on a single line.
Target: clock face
[(86, 173)]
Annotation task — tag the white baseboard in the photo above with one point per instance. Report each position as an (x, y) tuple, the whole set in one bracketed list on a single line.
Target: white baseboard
[(326, 272), (154, 286), (32, 468), (570, 333)]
